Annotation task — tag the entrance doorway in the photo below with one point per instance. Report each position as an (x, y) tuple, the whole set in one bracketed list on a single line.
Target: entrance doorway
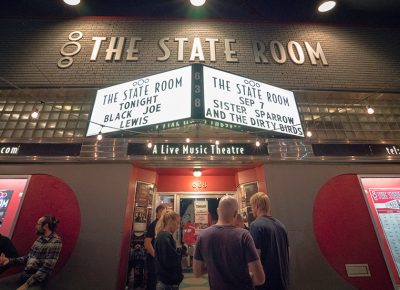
[(198, 211)]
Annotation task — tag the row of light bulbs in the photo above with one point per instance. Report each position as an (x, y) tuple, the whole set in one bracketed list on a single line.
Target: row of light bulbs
[(99, 137), (324, 6)]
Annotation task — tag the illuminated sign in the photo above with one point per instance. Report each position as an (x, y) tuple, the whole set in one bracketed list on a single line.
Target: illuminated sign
[(9, 150), (382, 195), (40, 149), (12, 193), (337, 149), (237, 100), (190, 93), (200, 149), (156, 99)]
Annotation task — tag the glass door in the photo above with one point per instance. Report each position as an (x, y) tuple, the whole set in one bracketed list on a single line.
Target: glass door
[(197, 213)]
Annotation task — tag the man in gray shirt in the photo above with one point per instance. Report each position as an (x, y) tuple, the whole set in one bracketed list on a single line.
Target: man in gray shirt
[(227, 253)]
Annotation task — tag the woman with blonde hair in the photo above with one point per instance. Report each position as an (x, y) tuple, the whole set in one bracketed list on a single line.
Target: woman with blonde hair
[(168, 260)]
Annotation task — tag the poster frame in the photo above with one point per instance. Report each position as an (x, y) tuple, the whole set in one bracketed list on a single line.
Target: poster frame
[(16, 215), (379, 231)]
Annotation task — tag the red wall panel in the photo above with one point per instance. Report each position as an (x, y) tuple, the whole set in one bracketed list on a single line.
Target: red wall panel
[(345, 234)]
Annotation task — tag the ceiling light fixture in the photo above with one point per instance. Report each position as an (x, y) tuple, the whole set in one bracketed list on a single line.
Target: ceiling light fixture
[(326, 6), (258, 143), (99, 136), (309, 133), (370, 110), (187, 140), (149, 144), (197, 2), (216, 142), (35, 114), (196, 172), (72, 2)]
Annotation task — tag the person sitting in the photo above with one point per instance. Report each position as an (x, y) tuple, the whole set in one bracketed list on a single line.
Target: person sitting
[(7, 249), (40, 261)]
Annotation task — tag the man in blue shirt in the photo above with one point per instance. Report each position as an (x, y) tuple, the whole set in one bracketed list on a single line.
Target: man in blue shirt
[(271, 240)]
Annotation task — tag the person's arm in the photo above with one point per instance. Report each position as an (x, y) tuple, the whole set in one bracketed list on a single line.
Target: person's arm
[(149, 247), (256, 272), (199, 268), (52, 254)]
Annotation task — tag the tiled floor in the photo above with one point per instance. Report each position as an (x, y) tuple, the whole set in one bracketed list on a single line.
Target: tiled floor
[(191, 283)]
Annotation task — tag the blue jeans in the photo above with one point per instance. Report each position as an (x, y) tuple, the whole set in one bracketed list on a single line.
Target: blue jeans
[(162, 286)]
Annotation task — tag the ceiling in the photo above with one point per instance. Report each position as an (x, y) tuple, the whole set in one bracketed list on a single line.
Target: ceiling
[(374, 12)]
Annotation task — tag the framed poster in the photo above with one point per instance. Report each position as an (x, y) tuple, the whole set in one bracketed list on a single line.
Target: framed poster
[(246, 190), (382, 195), (12, 193)]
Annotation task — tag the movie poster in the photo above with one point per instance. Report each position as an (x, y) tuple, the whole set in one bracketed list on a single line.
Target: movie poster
[(12, 193), (382, 194), (140, 219), (246, 191)]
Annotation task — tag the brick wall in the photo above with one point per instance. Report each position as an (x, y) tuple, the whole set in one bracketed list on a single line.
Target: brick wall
[(359, 58)]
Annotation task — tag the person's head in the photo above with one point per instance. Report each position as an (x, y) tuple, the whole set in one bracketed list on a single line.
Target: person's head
[(46, 225), (160, 209), (260, 204), (239, 221), (227, 209), (169, 221)]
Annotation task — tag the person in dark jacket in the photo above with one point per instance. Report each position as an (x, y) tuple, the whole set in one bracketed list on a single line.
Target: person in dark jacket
[(168, 260), (7, 249)]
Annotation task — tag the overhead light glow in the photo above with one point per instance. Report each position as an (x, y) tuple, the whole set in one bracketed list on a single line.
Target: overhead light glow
[(370, 110), (99, 136), (258, 143), (309, 133), (72, 2), (197, 2), (35, 114), (196, 172), (326, 6)]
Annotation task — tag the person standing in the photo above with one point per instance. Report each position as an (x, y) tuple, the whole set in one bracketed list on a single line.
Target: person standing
[(41, 259), (7, 249), (271, 240), (168, 260), (227, 252), (149, 246)]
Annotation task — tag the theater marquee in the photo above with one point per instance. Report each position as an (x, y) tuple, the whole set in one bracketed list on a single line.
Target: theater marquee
[(195, 93)]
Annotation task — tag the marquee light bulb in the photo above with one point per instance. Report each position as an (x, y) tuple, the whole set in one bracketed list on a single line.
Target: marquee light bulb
[(99, 136), (370, 110)]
